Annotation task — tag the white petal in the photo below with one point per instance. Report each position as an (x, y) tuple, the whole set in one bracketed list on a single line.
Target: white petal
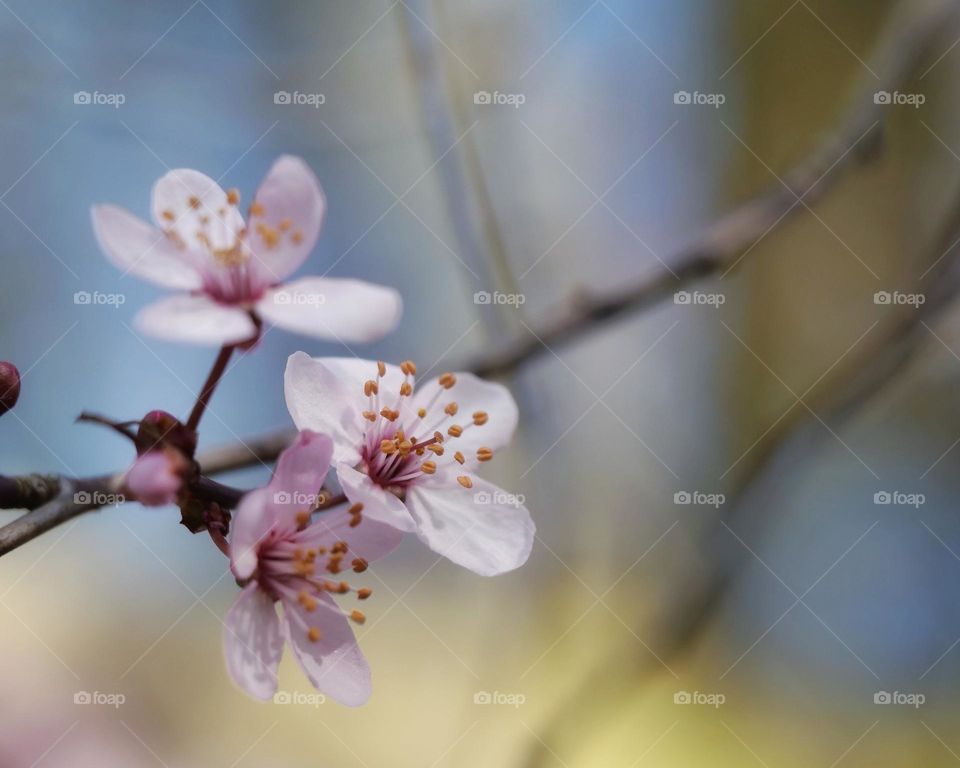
[(140, 249), (472, 394), (195, 319), (482, 528), (188, 203), (333, 308), (326, 395), (293, 207), (298, 477), (378, 504), (253, 643), (370, 540), (334, 663)]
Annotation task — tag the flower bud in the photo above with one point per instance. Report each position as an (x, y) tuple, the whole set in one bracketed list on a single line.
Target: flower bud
[(9, 386), (160, 428)]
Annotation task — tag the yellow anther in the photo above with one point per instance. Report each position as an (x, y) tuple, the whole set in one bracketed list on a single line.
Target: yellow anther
[(428, 467), (422, 413), (434, 448), (465, 481), (381, 368), (193, 201), (406, 389), (455, 430), (447, 380), (168, 215), (484, 454), (256, 209), (370, 388), (480, 418), (451, 409), (313, 634), (363, 594), (459, 457), (233, 196), (359, 565), (358, 617)]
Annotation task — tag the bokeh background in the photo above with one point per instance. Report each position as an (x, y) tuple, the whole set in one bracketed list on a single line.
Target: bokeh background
[(595, 180)]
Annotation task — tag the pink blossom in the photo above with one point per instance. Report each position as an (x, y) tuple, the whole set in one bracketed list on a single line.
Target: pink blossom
[(156, 477), (410, 456), (231, 271), (283, 554)]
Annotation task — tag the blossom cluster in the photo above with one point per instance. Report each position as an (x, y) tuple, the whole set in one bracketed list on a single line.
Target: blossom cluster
[(405, 454)]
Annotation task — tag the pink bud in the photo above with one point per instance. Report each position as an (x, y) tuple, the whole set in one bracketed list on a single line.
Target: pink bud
[(9, 386), (156, 477), (159, 428)]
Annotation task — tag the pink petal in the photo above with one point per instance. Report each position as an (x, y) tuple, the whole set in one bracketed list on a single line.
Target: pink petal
[(378, 504), (253, 521), (334, 663), (154, 479), (370, 540), (195, 319), (482, 528), (253, 643), (333, 308), (299, 475), (293, 207), (188, 202), (140, 249), (472, 394), (326, 395)]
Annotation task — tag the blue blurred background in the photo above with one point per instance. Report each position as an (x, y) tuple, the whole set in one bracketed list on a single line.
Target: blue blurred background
[(594, 180)]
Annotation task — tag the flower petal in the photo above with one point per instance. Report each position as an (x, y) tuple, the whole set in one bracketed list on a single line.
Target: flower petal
[(253, 520), (253, 643), (291, 205), (378, 504), (195, 319), (326, 395), (333, 308), (472, 394), (334, 662), (484, 528), (155, 478), (299, 475), (370, 540), (189, 203), (137, 248)]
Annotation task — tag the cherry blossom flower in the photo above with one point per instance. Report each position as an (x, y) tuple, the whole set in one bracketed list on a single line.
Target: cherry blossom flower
[(230, 271), (281, 553), (410, 457), (156, 477)]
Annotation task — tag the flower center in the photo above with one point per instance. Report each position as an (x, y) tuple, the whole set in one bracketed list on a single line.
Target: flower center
[(403, 443)]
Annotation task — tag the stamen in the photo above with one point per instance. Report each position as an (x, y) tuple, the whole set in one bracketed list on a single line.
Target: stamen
[(428, 467), (480, 418), (358, 617), (363, 594), (459, 457), (447, 380), (233, 196), (465, 481), (484, 454), (370, 388), (409, 368), (455, 430), (359, 565), (381, 369), (451, 409), (313, 634)]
